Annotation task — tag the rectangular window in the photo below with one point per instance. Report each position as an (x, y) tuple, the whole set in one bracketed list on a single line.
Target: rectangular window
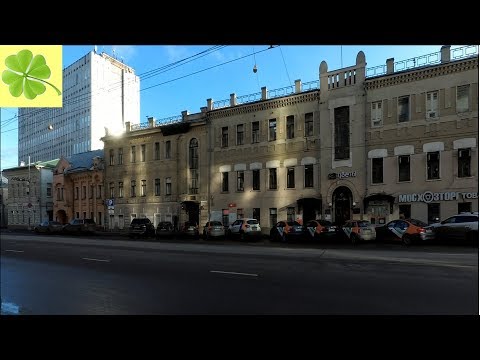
[(256, 179), (405, 211), (133, 188), (193, 181), (99, 218), (433, 213), (157, 187), (59, 194), (309, 124), (84, 215), (224, 181), (272, 129), (120, 156), (290, 214), (464, 207), (377, 170), (84, 192), (168, 186), (157, 151), (432, 105), (404, 168), (120, 189), (112, 190), (255, 132), (77, 215), (273, 216), (433, 165), (463, 93), (403, 108), (225, 136), (133, 155), (92, 191), (76, 193), (240, 214), (240, 134), (290, 127), (168, 149), (240, 180), (342, 133), (49, 189), (377, 114), (290, 177), (99, 193), (308, 176), (272, 179), (112, 157), (143, 190), (142, 153), (464, 162), (256, 214)]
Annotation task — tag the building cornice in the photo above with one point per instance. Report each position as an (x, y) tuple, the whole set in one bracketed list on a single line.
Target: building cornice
[(265, 105), (422, 74)]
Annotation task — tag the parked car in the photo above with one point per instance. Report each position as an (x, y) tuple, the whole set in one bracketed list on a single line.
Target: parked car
[(245, 227), (80, 226), (164, 228), (287, 230), (359, 230), (190, 229), (141, 227), (462, 227), (213, 229), (321, 230), (48, 227), (405, 230)]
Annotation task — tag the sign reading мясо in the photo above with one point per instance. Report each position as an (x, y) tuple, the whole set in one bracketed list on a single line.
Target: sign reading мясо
[(31, 76)]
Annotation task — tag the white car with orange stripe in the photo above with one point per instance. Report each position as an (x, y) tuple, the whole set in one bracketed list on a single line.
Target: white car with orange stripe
[(359, 230), (245, 227)]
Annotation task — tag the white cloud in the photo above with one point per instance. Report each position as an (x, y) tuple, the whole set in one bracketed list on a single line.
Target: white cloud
[(176, 53)]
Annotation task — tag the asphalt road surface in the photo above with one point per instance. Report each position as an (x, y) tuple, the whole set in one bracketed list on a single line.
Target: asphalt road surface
[(90, 275)]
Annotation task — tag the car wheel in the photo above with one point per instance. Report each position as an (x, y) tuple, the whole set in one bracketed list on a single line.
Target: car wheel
[(407, 240)]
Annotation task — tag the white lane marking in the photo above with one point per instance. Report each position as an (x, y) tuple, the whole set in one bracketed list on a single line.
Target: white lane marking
[(15, 250), (231, 272), (92, 259)]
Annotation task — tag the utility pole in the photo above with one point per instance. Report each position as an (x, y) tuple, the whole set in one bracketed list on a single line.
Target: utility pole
[(29, 203)]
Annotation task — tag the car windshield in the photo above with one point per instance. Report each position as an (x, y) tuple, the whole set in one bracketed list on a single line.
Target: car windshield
[(215, 223), (293, 223), (253, 221), (364, 223)]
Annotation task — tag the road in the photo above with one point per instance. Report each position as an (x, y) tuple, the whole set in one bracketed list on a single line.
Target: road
[(89, 275)]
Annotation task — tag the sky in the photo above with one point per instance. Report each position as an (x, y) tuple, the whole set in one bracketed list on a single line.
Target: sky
[(215, 75)]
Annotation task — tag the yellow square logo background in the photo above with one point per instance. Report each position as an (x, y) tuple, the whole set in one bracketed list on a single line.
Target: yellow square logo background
[(53, 58)]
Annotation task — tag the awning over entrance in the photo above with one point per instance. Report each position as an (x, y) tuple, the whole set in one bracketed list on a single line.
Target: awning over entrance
[(310, 202), (378, 197)]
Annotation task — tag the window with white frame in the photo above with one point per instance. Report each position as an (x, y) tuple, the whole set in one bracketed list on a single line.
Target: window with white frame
[(157, 187), (308, 124), (272, 179), (432, 105), (404, 168), (433, 165), (225, 181), (240, 180), (308, 176), (463, 93), (377, 114), (290, 177), (403, 108), (142, 153), (120, 189), (464, 162), (255, 132), (168, 149), (112, 190), (143, 190), (272, 129), (256, 179), (133, 186), (240, 134), (225, 136), (290, 127), (168, 186), (377, 170)]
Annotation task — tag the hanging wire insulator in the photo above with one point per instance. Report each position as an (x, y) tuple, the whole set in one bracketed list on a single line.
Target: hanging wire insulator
[(255, 68)]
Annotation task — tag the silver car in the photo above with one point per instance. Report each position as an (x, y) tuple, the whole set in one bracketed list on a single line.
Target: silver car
[(460, 227), (213, 229)]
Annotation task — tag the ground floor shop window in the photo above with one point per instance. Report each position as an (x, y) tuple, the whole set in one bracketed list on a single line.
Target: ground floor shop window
[(405, 211), (464, 207), (433, 213)]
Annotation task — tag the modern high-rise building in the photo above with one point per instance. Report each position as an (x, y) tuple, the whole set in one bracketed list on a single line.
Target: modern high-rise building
[(99, 92)]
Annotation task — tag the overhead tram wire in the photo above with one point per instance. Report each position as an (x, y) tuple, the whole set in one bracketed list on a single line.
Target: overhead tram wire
[(115, 86), (169, 81)]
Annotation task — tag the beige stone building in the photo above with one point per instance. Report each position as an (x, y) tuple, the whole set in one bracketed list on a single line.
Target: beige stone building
[(422, 137), (336, 148), (79, 190)]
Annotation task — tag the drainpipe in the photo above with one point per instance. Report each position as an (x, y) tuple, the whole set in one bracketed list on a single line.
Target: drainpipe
[(366, 153)]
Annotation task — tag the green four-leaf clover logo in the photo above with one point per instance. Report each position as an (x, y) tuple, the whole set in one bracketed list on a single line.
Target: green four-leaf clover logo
[(26, 74)]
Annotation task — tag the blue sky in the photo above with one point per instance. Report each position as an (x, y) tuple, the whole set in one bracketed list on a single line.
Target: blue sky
[(277, 67)]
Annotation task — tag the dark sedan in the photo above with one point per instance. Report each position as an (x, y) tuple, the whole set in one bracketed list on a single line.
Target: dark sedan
[(287, 230), (48, 227), (164, 228)]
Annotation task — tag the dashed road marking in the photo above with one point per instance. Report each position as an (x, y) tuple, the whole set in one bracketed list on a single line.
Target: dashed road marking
[(92, 259), (18, 251), (232, 273)]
